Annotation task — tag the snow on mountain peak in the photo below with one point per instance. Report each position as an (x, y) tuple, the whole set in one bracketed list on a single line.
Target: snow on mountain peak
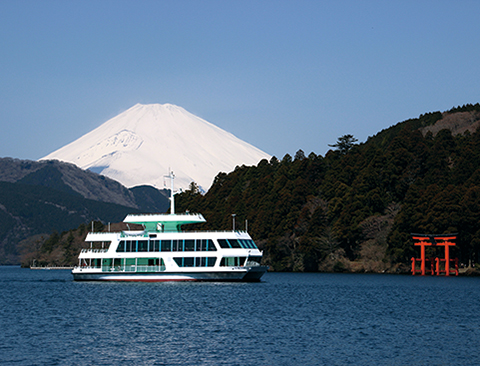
[(142, 144)]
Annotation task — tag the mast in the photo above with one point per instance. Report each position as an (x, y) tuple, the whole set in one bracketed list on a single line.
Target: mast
[(172, 202)]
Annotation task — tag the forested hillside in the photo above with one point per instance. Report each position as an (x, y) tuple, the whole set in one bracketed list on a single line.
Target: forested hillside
[(355, 208)]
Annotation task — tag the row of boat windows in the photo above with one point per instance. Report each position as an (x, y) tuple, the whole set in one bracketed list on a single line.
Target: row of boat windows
[(210, 261), (187, 245), (237, 243), (232, 261), (182, 245), (195, 261), (109, 262), (137, 261), (181, 261)]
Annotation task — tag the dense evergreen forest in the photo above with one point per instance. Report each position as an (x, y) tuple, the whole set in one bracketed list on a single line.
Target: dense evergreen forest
[(355, 208)]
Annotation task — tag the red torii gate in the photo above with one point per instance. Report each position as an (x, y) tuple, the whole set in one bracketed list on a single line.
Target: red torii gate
[(445, 240)]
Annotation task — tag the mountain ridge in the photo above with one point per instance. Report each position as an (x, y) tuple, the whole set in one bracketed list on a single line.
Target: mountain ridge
[(86, 183), (140, 145)]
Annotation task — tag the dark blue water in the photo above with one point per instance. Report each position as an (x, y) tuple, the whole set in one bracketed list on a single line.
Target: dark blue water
[(288, 319)]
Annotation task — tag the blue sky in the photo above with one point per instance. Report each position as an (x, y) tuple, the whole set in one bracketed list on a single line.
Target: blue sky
[(281, 75)]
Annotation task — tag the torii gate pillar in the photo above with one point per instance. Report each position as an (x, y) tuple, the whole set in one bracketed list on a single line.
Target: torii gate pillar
[(447, 242), (422, 242)]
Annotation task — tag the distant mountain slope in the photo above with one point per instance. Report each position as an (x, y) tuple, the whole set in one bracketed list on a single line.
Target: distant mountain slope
[(27, 210), (140, 145), (65, 177), (39, 197), (150, 199), (68, 178)]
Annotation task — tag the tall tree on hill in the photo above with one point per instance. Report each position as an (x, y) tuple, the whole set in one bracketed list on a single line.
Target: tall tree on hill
[(344, 144)]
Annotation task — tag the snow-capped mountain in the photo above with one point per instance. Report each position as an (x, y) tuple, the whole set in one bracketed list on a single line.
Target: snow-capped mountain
[(141, 145)]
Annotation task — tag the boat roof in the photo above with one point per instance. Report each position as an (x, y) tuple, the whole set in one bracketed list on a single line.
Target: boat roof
[(164, 222)]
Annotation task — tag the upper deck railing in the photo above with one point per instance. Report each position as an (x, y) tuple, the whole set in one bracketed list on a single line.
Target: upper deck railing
[(147, 233), (165, 214), (94, 251)]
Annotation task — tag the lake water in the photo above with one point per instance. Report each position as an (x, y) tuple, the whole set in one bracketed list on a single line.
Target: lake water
[(287, 319)]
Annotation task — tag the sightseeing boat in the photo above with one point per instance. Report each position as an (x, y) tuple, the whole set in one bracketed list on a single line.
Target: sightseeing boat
[(161, 251)]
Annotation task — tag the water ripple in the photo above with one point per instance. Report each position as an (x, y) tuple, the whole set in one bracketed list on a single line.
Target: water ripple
[(288, 319)]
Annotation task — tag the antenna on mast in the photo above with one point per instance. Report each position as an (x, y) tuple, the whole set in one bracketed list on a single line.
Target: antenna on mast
[(172, 202)]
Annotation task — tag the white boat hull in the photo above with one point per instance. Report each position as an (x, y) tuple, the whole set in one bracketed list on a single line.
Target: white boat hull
[(245, 274)]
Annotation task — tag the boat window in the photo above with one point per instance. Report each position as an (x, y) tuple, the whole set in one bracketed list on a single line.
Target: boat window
[(254, 261), (205, 262), (234, 243), (142, 261), (205, 245), (232, 261), (106, 262), (121, 246), (195, 261), (249, 244), (189, 245), (153, 261), (143, 246), (166, 245), (96, 262), (155, 245), (177, 245), (210, 246), (244, 243), (224, 243), (149, 262), (131, 246), (188, 261)]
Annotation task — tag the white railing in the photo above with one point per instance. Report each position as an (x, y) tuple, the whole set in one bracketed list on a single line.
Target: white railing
[(94, 250), (189, 231), (169, 232), (215, 231), (142, 234), (165, 214)]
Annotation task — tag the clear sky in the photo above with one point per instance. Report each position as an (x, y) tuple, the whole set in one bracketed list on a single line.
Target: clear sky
[(281, 75)]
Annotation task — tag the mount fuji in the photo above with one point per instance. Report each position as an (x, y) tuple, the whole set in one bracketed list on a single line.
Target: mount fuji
[(142, 144)]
